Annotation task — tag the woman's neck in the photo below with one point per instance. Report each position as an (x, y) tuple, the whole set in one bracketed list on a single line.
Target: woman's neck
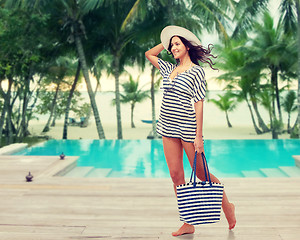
[(185, 61)]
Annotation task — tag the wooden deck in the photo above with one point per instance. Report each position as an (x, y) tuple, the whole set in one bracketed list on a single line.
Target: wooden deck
[(83, 208)]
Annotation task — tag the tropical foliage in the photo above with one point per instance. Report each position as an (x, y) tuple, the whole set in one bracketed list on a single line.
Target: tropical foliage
[(289, 106), (259, 58), (225, 103), (255, 65), (133, 94)]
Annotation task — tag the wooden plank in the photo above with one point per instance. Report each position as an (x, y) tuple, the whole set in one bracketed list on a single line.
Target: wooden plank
[(128, 208)]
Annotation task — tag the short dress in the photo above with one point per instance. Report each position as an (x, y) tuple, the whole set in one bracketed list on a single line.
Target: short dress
[(177, 117)]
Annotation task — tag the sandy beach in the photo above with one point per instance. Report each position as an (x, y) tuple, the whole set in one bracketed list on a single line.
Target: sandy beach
[(142, 131), (214, 123)]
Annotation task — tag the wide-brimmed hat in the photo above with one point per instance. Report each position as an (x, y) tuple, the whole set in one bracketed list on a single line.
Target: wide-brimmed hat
[(168, 32)]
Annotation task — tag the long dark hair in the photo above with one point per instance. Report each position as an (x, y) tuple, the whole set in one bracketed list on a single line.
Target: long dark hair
[(197, 53)]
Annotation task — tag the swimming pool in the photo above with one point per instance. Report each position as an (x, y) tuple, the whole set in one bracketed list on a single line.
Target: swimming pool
[(145, 158)]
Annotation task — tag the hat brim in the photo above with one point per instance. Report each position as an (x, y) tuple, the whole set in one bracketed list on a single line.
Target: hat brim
[(168, 32)]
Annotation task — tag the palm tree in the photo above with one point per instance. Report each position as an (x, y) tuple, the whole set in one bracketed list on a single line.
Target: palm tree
[(270, 46), (226, 104), (290, 19), (275, 50), (70, 15), (117, 34), (61, 68), (289, 106), (245, 86), (65, 129), (245, 12), (244, 74), (153, 89), (75, 13), (132, 94), (266, 99), (100, 63)]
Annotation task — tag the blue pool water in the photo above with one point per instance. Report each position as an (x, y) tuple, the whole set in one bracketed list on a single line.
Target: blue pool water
[(145, 158)]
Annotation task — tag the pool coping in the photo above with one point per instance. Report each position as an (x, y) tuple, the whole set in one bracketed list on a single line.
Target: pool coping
[(297, 160), (14, 168), (60, 167), (13, 148)]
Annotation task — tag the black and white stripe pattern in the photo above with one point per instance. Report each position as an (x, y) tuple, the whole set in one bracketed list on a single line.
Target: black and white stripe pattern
[(200, 204), (177, 115)]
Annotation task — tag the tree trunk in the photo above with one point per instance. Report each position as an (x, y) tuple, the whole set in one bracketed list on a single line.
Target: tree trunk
[(273, 125), (32, 106), (4, 110), (132, 109), (2, 120), (46, 128), (9, 128), (153, 102), (261, 122), (273, 91), (277, 94), (85, 72), (24, 132), (257, 130), (88, 116), (8, 106), (117, 94), (65, 130), (25, 113), (54, 116), (274, 133), (227, 119), (298, 16), (289, 123), (274, 97)]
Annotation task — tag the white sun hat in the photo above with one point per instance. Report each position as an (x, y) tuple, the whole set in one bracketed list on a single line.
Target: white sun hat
[(168, 32)]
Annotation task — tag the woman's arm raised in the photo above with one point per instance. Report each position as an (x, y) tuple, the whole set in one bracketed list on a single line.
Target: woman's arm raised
[(152, 54)]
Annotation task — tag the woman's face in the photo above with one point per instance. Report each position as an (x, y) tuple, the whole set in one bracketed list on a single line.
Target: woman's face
[(178, 49)]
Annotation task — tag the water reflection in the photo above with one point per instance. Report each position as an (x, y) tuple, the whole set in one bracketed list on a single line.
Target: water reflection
[(145, 158)]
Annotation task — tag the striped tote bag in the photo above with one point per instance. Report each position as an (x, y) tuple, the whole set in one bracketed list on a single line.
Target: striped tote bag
[(200, 202)]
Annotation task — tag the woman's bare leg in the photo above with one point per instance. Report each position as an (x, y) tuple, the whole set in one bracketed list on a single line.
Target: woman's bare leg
[(228, 208), (174, 154)]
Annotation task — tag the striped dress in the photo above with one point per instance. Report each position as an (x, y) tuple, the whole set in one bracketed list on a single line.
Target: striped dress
[(177, 117)]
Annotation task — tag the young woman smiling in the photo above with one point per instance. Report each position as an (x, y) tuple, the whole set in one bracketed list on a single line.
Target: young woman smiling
[(181, 122)]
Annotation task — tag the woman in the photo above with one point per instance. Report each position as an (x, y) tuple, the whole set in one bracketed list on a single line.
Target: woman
[(180, 124)]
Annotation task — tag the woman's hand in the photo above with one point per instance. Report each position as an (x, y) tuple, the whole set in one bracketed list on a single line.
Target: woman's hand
[(198, 144)]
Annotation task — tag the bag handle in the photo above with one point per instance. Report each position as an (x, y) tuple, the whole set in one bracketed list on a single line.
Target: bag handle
[(206, 171)]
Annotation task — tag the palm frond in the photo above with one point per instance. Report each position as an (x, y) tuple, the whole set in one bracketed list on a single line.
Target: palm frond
[(130, 16), (89, 5), (245, 12), (288, 16)]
